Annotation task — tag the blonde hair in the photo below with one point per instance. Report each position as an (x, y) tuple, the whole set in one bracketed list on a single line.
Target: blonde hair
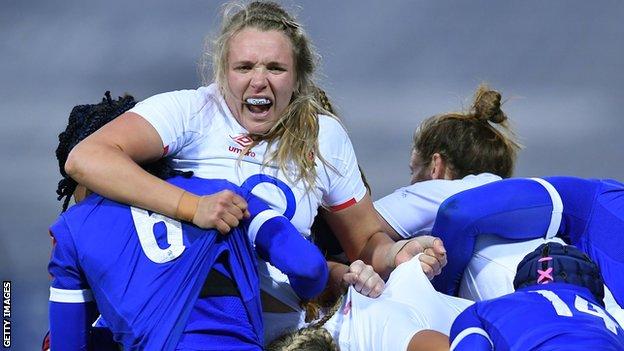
[(296, 131), (479, 140)]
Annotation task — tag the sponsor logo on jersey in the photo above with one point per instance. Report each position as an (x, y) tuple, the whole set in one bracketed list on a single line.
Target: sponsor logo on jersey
[(244, 141)]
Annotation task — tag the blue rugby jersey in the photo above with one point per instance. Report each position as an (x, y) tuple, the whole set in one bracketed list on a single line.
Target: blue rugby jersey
[(145, 270), (553, 316)]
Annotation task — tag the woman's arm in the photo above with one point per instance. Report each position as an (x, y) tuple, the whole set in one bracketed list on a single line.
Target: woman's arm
[(361, 236), (71, 308), (108, 163), (468, 332)]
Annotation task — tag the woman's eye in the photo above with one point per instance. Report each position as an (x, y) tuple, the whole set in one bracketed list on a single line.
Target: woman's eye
[(243, 68), (276, 69)]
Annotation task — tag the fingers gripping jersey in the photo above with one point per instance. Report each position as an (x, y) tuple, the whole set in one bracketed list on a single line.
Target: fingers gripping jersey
[(145, 270), (554, 316), (407, 305)]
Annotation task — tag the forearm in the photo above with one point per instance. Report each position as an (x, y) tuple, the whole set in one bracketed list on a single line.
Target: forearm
[(108, 171), (376, 252), (276, 241)]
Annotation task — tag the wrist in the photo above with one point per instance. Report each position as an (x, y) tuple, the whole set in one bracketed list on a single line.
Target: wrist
[(394, 252), (187, 207)]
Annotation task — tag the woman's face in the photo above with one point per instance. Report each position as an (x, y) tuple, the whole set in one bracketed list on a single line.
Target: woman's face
[(260, 78), (418, 172)]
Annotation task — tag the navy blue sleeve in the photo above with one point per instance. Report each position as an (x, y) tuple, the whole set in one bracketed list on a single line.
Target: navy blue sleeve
[(511, 209), (278, 242), (71, 309), (468, 334)]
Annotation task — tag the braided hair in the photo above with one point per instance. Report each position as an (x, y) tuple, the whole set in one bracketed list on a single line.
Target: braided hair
[(83, 121), (311, 338)]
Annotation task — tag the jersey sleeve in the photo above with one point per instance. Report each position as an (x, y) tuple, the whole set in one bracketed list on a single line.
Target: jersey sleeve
[(174, 115), (68, 283), (278, 242), (71, 308), (468, 334), (411, 210), (341, 175)]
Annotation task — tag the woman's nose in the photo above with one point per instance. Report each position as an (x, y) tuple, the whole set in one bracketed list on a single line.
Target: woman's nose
[(259, 78)]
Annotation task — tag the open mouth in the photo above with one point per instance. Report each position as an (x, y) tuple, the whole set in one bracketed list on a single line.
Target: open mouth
[(258, 104)]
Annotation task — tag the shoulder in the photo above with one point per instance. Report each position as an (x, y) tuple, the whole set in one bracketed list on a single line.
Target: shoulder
[(71, 220), (445, 188), (478, 179), (330, 129), (190, 100), (333, 139)]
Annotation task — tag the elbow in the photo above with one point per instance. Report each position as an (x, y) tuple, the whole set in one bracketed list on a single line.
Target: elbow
[(320, 271), (314, 269), (73, 163), (452, 210), (454, 216), (312, 283), (446, 209), (83, 159)]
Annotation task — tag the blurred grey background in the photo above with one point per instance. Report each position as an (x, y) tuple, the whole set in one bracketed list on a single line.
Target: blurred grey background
[(386, 65)]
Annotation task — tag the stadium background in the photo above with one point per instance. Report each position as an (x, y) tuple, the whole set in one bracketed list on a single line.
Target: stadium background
[(386, 66)]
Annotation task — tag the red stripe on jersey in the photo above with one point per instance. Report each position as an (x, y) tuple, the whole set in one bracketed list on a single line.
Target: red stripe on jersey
[(165, 150), (343, 205)]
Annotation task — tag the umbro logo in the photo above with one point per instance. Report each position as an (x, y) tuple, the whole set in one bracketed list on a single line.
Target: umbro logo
[(242, 140)]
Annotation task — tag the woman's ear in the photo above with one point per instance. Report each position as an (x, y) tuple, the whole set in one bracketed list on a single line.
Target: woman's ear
[(438, 168)]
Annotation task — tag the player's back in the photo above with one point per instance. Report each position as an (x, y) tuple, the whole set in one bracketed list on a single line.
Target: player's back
[(129, 253), (549, 317)]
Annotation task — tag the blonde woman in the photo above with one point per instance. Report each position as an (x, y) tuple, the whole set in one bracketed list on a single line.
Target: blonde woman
[(260, 126)]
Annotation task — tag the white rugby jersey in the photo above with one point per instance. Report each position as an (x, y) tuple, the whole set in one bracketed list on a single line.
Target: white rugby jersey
[(408, 305), (492, 268), (200, 134), (411, 210)]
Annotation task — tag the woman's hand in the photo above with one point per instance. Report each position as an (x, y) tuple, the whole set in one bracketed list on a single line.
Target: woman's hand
[(433, 257), (364, 279), (222, 211)]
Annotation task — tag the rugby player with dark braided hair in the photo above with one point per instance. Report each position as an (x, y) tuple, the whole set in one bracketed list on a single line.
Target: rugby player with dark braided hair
[(158, 283)]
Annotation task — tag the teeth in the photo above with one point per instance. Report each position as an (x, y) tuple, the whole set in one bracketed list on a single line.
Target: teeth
[(257, 101)]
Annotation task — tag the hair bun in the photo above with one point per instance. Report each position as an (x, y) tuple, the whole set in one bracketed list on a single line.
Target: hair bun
[(487, 105)]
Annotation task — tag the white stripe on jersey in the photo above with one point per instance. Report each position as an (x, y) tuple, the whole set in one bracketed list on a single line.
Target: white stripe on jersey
[(258, 221), (464, 333), (557, 211), (70, 296)]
